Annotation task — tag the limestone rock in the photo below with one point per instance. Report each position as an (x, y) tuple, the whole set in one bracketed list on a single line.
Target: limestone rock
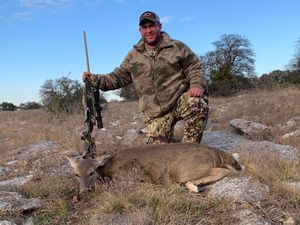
[(240, 189), (250, 129), (18, 181), (12, 202)]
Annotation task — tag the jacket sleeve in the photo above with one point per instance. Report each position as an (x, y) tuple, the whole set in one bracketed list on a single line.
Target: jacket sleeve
[(192, 68), (120, 77)]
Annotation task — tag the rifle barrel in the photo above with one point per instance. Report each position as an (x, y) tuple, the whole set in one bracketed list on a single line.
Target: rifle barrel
[(86, 52)]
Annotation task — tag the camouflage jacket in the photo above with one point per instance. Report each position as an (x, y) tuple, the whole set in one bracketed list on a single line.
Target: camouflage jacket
[(159, 80)]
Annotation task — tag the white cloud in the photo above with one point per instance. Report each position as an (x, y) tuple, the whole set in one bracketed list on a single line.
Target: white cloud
[(25, 16), (186, 19), (170, 19), (45, 3), (166, 19), (35, 3), (26, 10), (58, 4)]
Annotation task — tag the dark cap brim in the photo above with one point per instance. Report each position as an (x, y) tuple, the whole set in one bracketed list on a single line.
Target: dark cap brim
[(147, 19)]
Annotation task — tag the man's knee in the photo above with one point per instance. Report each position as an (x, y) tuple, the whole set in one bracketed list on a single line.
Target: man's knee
[(192, 106), (193, 129), (159, 130), (194, 111)]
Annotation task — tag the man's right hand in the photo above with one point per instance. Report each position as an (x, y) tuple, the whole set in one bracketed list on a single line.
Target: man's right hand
[(88, 74)]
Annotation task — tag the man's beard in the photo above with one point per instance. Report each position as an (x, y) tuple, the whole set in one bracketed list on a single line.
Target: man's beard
[(154, 42)]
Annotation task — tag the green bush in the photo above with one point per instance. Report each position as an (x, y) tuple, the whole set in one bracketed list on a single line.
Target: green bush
[(7, 106), (61, 95)]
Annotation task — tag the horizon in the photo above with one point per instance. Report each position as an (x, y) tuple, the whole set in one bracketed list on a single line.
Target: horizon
[(43, 39)]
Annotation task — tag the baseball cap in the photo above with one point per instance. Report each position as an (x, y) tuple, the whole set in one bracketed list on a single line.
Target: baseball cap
[(150, 16)]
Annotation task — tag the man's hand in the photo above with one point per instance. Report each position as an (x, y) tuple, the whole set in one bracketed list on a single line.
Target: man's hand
[(196, 92), (88, 74)]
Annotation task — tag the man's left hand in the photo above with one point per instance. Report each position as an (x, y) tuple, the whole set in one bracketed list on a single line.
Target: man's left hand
[(196, 92)]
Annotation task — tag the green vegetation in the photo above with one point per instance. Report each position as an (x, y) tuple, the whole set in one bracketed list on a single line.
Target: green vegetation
[(7, 106), (63, 96)]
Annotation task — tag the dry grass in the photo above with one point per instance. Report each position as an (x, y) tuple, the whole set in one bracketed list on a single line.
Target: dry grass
[(56, 191), (22, 128), (271, 108), (144, 203), (267, 107), (153, 204)]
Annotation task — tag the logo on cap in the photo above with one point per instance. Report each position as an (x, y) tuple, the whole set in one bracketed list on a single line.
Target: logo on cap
[(147, 14)]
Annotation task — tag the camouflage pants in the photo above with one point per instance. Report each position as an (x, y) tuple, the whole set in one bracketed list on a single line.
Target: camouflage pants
[(192, 110)]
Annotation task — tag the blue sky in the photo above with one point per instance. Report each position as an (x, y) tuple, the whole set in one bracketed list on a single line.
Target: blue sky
[(43, 39)]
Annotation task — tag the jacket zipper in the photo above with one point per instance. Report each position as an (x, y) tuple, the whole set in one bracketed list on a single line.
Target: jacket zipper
[(152, 62)]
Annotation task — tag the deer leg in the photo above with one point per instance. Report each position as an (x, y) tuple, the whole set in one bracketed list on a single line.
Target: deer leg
[(214, 175)]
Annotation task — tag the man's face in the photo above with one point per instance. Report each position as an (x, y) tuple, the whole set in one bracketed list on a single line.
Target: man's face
[(150, 32)]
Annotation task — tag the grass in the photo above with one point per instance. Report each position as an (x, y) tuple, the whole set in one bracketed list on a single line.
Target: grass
[(168, 204), (49, 186), (270, 168), (57, 212), (144, 203), (267, 107)]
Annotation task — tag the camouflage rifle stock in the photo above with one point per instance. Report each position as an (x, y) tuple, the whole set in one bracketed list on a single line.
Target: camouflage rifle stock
[(91, 103)]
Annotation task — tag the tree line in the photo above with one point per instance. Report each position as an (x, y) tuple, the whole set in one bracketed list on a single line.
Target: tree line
[(228, 69), (8, 106)]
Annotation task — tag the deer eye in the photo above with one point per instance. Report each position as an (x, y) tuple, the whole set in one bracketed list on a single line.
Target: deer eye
[(92, 173), (76, 174)]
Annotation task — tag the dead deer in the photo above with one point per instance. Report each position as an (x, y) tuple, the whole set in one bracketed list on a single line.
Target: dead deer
[(194, 165)]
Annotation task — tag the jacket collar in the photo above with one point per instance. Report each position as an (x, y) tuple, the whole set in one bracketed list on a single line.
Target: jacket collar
[(166, 42)]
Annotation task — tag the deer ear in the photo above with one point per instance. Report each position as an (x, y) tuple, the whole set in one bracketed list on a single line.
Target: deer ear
[(73, 162), (103, 159)]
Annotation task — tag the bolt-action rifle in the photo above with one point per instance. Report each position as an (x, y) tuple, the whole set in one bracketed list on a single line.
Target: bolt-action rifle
[(92, 108)]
